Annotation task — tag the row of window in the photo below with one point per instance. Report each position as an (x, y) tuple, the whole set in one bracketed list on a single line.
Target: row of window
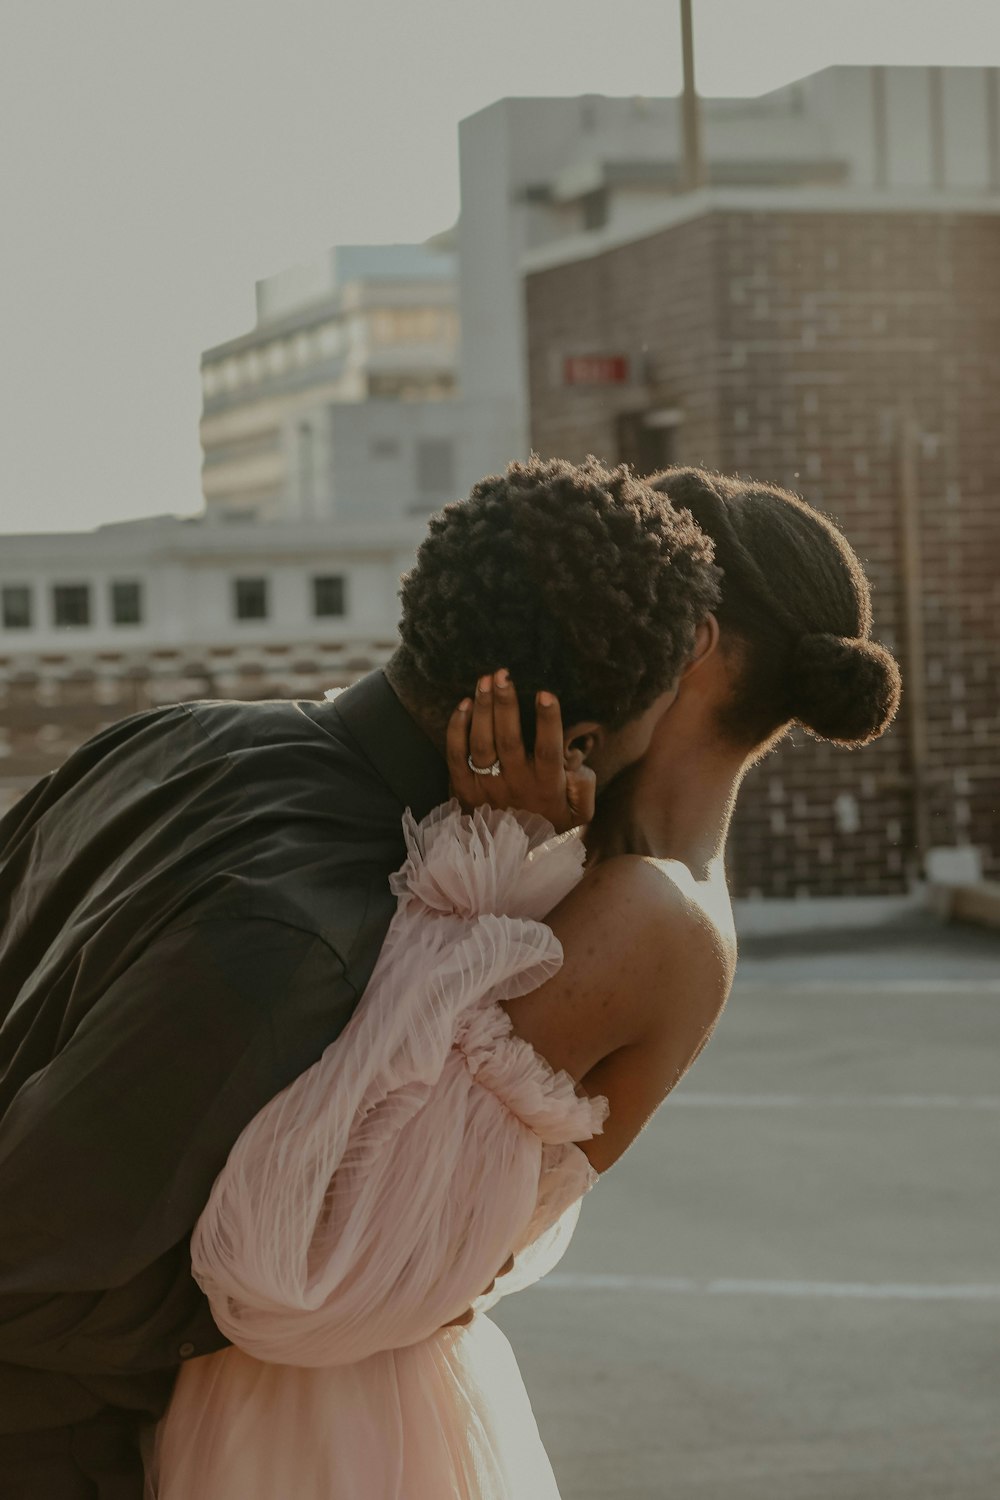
[(252, 597), (295, 351), (414, 325), (310, 346), (417, 385), (71, 604)]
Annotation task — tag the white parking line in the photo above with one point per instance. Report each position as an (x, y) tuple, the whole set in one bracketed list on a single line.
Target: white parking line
[(595, 1281), (946, 988), (853, 1101)]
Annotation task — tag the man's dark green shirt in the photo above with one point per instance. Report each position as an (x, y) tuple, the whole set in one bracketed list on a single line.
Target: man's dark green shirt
[(191, 907)]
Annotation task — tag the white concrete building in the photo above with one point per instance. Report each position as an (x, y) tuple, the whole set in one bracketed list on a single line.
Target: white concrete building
[(195, 584), (544, 181), (364, 323), (97, 625)]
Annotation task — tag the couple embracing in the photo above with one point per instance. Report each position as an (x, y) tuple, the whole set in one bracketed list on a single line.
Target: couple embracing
[(319, 1020)]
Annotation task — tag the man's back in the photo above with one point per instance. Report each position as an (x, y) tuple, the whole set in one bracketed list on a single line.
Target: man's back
[(192, 907)]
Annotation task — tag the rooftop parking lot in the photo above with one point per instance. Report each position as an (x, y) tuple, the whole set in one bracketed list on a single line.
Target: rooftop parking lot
[(789, 1288)]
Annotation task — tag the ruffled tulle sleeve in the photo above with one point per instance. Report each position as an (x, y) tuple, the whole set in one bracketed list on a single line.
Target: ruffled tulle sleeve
[(372, 1200)]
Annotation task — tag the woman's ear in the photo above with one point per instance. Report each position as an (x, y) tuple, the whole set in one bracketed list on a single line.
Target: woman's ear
[(706, 640)]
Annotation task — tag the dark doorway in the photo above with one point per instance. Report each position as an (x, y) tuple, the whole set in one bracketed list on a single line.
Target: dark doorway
[(645, 441)]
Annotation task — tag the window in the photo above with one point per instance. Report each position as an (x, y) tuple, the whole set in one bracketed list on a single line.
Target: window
[(417, 386), (331, 340), (126, 603), (594, 209), (381, 447), (16, 605), (306, 454), (71, 604), (250, 598), (302, 349), (435, 468), (328, 596), (410, 325), (276, 358)]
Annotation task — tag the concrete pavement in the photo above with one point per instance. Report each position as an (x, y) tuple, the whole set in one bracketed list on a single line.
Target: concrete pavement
[(789, 1288)]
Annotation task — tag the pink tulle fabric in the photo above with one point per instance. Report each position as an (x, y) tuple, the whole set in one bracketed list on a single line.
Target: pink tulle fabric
[(376, 1197)]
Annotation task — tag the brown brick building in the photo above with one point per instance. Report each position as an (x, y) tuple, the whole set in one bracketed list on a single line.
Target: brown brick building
[(789, 343), (51, 705)]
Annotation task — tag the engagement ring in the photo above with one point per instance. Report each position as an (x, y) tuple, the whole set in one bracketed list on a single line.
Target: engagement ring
[(493, 770)]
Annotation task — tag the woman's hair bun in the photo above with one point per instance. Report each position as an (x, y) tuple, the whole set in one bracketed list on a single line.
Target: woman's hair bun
[(844, 690)]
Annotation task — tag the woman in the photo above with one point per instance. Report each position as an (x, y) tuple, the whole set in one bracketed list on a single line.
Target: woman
[(497, 1065)]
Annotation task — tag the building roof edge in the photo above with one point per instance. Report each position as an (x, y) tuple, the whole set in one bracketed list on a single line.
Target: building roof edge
[(588, 244)]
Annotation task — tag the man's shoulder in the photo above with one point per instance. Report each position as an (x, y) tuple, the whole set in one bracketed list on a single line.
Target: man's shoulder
[(239, 722), (217, 725), (234, 803), (270, 739), (222, 717)]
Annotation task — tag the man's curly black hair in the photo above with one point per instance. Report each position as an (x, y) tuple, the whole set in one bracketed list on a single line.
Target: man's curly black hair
[(579, 579)]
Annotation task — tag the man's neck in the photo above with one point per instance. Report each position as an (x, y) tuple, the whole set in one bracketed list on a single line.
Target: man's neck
[(430, 723)]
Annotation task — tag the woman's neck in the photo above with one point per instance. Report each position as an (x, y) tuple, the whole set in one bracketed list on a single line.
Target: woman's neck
[(677, 804)]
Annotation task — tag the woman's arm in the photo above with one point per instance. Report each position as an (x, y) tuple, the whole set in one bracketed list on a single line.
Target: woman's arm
[(646, 972), (644, 978)]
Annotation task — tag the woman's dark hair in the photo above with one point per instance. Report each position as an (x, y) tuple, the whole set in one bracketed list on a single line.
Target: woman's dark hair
[(576, 577), (797, 601)]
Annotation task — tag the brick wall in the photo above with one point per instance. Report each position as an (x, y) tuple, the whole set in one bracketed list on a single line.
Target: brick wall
[(790, 340), (49, 705)]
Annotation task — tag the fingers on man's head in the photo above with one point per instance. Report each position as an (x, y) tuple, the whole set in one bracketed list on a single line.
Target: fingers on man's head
[(463, 783), (507, 724), (548, 736), (481, 739)]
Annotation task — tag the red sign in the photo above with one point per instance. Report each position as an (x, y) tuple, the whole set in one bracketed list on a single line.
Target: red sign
[(595, 369)]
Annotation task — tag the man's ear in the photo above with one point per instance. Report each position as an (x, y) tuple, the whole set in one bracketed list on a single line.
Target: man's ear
[(706, 641), (579, 741)]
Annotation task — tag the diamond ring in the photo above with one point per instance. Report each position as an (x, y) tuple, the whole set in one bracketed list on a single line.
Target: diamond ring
[(493, 770)]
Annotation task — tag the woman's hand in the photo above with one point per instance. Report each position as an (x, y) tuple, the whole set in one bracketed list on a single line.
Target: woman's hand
[(558, 787), (467, 1317)]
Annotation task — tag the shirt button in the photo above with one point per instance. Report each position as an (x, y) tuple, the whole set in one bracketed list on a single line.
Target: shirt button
[(186, 1351)]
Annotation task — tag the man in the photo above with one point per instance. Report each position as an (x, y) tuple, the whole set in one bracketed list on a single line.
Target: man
[(192, 906)]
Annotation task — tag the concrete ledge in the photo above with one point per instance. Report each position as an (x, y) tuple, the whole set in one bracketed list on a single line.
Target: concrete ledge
[(979, 904), (775, 916)]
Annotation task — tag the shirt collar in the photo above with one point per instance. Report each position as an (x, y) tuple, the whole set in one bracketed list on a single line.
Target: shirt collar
[(408, 762)]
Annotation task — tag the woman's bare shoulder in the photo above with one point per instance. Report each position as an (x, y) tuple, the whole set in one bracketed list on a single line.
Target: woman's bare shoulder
[(638, 951), (656, 903)]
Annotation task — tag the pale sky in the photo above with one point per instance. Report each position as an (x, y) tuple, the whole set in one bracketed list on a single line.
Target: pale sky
[(159, 156)]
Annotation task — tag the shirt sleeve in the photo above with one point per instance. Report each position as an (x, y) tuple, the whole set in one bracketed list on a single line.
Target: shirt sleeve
[(109, 1153)]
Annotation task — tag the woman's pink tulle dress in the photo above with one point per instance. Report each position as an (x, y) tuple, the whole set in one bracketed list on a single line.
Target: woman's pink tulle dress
[(376, 1197)]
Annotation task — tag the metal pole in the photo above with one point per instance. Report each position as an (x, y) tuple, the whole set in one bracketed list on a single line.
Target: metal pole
[(694, 167), (935, 94), (993, 125), (915, 685), (880, 128)]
